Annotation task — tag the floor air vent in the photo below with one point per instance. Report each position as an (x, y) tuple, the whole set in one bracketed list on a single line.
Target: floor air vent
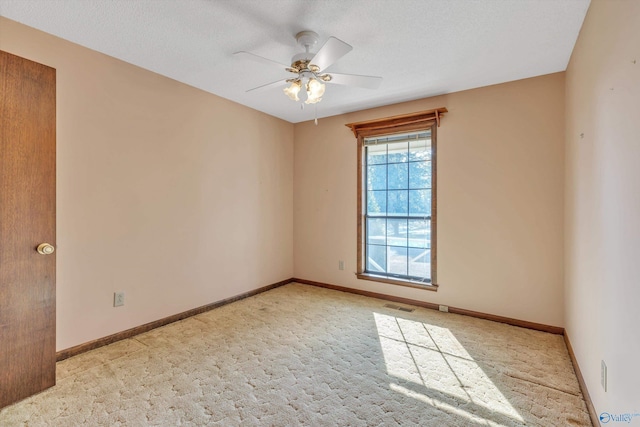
[(397, 307)]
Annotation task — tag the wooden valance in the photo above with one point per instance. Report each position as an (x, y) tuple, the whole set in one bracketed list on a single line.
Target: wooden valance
[(401, 123)]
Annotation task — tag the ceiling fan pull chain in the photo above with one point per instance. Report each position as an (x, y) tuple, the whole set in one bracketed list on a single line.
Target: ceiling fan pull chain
[(316, 118)]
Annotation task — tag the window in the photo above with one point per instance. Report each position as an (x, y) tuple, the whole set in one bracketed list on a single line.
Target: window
[(397, 199), (397, 202)]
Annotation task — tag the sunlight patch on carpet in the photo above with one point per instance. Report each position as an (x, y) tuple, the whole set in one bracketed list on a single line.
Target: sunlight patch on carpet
[(445, 374)]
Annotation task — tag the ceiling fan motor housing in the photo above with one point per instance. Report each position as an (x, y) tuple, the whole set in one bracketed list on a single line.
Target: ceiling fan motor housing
[(300, 57)]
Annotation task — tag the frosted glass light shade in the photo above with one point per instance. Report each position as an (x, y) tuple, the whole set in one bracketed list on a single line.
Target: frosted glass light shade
[(315, 90), (293, 90)]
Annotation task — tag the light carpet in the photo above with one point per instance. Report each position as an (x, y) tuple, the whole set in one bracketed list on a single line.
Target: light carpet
[(304, 356)]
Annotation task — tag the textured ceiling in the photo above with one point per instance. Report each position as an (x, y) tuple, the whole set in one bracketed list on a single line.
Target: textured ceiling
[(420, 47)]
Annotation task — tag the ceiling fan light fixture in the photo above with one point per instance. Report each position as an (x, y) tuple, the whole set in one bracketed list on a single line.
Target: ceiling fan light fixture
[(293, 90), (315, 90)]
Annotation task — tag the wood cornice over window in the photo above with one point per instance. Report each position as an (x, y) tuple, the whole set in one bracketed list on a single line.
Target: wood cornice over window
[(405, 122)]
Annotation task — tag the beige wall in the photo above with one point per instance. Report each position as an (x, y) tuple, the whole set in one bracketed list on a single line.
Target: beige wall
[(175, 196), (603, 203), (500, 200)]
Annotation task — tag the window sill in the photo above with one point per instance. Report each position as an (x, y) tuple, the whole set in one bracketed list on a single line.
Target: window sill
[(408, 283)]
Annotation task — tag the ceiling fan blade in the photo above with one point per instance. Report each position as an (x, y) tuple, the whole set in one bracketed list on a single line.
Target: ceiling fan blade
[(368, 82), (330, 52), (261, 59), (268, 85)]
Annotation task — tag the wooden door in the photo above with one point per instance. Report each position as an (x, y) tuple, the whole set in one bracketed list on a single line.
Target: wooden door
[(27, 219)]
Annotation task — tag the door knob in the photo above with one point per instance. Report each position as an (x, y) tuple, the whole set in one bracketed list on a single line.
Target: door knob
[(45, 249)]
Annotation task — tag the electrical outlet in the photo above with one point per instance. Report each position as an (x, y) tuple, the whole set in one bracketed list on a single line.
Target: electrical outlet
[(443, 308), (118, 299), (603, 375), (340, 265)]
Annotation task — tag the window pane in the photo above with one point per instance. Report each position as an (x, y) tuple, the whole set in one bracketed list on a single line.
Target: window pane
[(397, 202), (376, 202), (377, 231), (398, 152), (376, 259), (419, 202), (398, 176), (419, 233), (397, 232), (377, 177), (397, 260), (420, 149), (419, 175), (376, 154), (419, 262)]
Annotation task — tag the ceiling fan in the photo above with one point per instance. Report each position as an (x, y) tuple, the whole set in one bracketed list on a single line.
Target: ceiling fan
[(309, 69)]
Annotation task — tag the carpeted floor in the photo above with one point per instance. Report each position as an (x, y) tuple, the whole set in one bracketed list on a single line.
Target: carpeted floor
[(305, 356)]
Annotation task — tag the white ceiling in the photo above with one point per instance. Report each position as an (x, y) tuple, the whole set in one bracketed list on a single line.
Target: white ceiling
[(420, 47)]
